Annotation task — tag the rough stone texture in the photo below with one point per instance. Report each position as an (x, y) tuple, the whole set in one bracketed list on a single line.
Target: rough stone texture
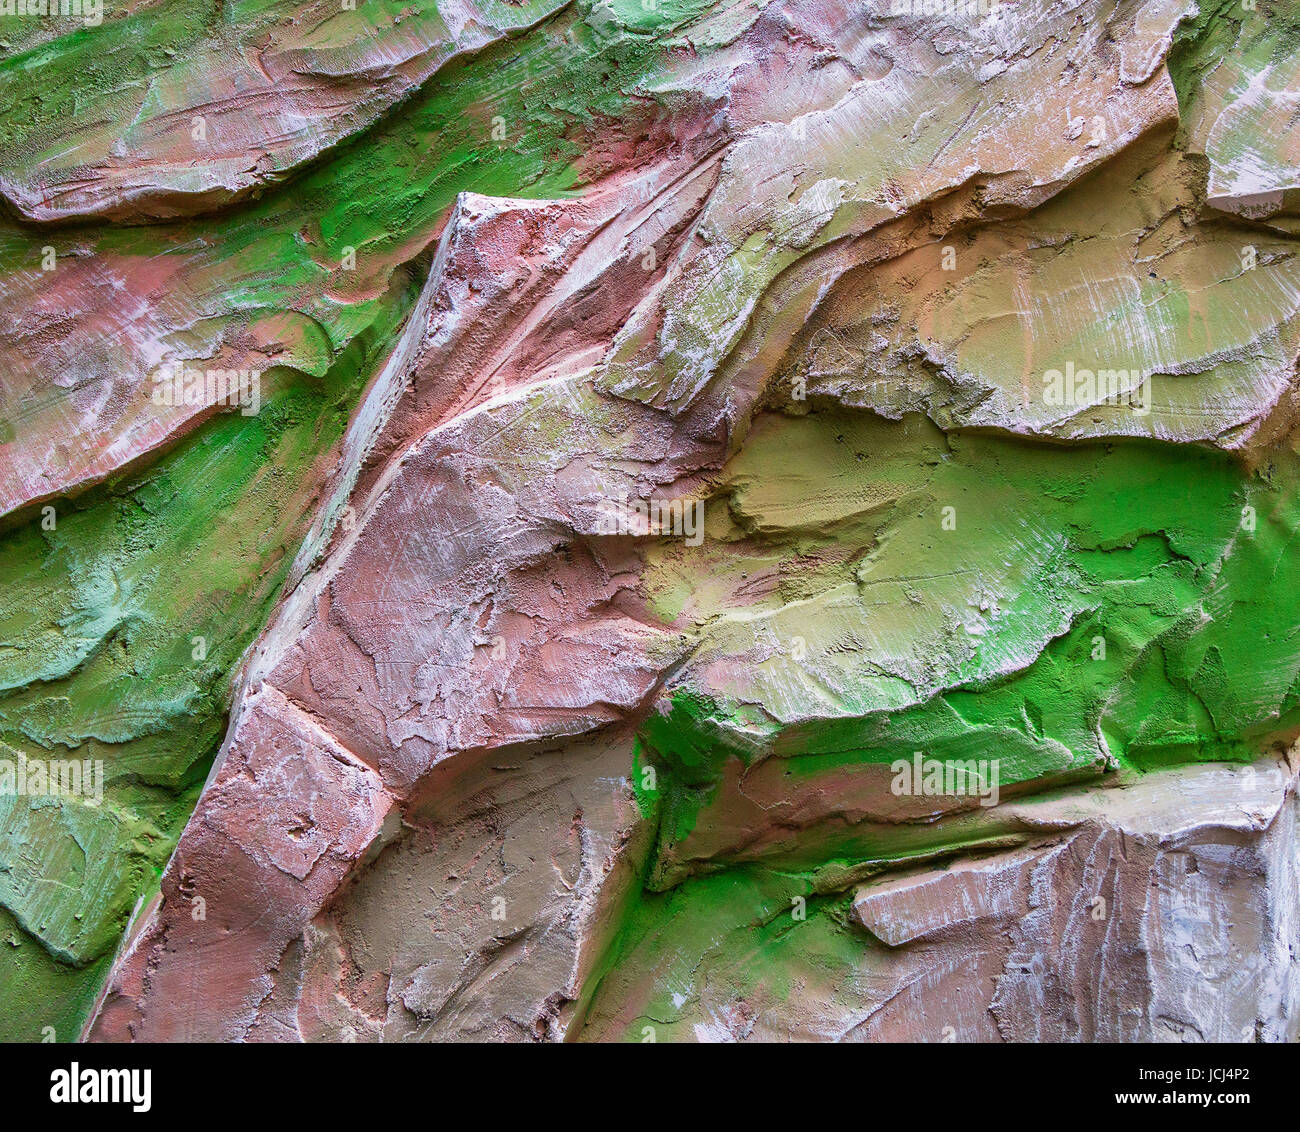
[(498, 769), (1161, 910), (240, 108), (284, 818)]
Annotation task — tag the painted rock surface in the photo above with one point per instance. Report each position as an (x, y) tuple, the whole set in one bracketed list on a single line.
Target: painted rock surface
[(683, 521)]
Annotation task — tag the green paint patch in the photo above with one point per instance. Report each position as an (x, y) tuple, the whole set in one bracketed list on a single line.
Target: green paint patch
[(739, 931), (121, 627), (1090, 607)]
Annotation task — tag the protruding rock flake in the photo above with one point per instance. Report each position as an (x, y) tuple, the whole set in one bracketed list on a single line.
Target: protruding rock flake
[(620, 521)]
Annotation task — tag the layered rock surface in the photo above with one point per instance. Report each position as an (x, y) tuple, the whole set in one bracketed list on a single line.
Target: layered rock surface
[(1161, 910), (169, 109), (518, 755)]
